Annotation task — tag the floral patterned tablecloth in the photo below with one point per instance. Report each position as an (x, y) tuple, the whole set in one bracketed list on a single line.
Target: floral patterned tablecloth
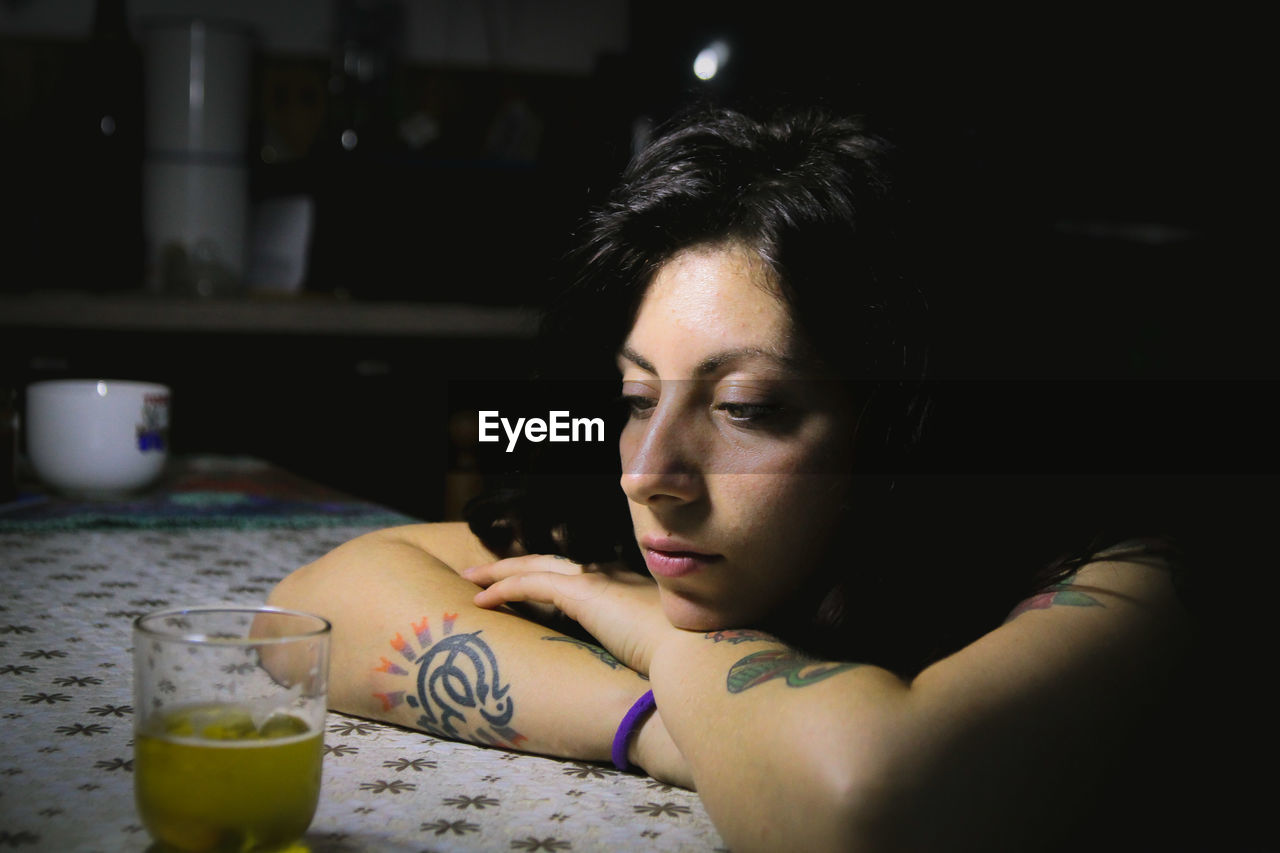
[(69, 596)]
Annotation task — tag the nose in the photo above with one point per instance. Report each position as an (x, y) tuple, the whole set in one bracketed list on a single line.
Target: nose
[(660, 461)]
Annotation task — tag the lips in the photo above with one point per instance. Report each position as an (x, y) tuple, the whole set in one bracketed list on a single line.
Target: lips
[(671, 558)]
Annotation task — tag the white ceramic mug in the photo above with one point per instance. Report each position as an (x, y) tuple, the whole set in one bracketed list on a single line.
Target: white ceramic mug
[(97, 437)]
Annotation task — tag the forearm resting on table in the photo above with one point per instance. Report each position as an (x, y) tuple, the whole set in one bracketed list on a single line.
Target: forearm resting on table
[(781, 746), (409, 647), (979, 751)]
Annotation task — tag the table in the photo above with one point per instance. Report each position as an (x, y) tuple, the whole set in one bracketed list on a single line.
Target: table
[(225, 530)]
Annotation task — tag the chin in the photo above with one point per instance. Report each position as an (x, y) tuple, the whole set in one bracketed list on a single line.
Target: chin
[(691, 615)]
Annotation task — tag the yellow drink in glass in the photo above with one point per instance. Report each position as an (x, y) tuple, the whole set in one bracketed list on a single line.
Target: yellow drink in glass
[(208, 779)]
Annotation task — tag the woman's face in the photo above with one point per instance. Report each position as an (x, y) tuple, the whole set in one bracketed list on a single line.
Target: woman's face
[(736, 453)]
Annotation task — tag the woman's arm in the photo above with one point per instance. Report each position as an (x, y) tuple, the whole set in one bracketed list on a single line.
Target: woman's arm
[(983, 750), (410, 647)]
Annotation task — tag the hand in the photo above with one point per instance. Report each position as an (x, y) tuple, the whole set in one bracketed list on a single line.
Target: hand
[(619, 608), (544, 613)]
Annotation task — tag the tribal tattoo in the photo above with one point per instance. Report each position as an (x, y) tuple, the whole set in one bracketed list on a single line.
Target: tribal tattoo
[(458, 686), (798, 669), (1058, 594)]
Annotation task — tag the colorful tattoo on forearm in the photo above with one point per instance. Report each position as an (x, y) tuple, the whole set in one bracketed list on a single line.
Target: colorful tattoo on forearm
[(458, 687), (1058, 594), (605, 658), (797, 669)]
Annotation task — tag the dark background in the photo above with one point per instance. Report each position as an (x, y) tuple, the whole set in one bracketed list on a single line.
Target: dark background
[(1105, 170), (1094, 184), (1096, 180)]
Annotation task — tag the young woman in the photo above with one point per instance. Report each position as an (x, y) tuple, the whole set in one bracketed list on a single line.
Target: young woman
[(841, 656)]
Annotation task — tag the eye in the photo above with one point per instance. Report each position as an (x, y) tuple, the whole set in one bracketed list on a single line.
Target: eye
[(749, 412), (638, 406)]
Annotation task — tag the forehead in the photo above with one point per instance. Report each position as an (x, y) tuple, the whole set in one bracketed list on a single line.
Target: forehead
[(708, 298)]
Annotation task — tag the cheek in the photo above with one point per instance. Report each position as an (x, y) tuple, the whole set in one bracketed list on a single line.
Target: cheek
[(786, 530), (788, 506)]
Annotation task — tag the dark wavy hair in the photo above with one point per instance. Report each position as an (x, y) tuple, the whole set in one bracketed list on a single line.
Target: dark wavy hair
[(821, 199)]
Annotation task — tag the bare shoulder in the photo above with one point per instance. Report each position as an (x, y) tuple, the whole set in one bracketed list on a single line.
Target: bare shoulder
[(1035, 712), (1040, 710), (1119, 613), (1132, 579)]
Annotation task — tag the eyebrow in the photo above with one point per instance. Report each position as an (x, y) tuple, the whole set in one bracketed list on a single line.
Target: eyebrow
[(715, 361)]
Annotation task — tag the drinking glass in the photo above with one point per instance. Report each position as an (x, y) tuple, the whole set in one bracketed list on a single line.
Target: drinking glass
[(228, 726)]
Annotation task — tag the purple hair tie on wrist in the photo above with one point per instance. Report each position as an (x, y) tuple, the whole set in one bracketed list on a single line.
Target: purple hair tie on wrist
[(627, 728)]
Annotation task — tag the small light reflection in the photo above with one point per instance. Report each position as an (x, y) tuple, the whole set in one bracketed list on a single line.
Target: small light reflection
[(710, 60), (107, 125), (349, 140), (102, 388)]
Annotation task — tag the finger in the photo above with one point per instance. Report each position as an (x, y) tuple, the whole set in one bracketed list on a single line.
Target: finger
[(565, 592), (489, 573), (518, 588)]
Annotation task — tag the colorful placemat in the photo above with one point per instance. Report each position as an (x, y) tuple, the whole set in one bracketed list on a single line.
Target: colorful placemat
[(204, 491)]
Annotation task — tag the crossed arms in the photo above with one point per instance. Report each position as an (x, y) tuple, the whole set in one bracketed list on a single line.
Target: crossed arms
[(977, 751)]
